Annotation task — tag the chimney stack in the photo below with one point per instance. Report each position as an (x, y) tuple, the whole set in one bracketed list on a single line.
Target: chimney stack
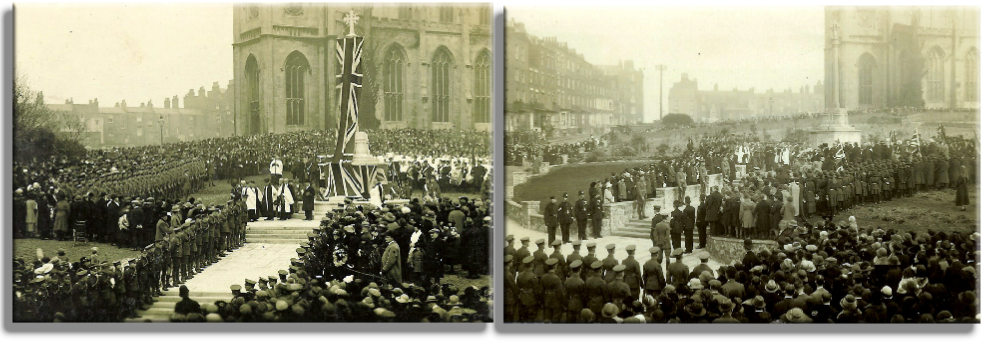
[(167, 103), (174, 102)]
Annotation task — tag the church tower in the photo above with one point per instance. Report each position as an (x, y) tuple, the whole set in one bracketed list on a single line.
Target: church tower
[(427, 66)]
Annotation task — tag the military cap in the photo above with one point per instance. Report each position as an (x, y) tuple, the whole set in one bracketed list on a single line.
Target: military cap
[(576, 263), (250, 282), (620, 268), (677, 252), (630, 248), (576, 243), (509, 237), (282, 272), (610, 246), (272, 279), (300, 251), (235, 288), (591, 244), (551, 261), (524, 239), (528, 259), (597, 264), (541, 242), (655, 250), (704, 255), (262, 280), (556, 242), (508, 258)]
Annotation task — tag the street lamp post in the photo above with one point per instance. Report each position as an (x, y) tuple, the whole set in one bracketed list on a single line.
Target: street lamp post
[(160, 123), (660, 68)]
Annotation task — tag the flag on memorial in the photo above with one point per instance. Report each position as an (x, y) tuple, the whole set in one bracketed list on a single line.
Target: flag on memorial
[(349, 55)]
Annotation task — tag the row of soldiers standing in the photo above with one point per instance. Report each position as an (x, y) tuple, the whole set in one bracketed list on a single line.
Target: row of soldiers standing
[(557, 288)]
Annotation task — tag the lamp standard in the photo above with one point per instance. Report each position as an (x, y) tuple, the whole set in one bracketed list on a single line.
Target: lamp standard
[(160, 123)]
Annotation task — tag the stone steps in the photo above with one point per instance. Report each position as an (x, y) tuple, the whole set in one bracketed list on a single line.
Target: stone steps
[(163, 306), (640, 229)]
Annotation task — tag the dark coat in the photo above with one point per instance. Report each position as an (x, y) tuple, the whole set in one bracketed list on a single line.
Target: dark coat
[(714, 203)]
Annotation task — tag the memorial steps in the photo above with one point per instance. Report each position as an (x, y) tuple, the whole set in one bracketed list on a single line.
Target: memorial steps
[(641, 229), (163, 306)]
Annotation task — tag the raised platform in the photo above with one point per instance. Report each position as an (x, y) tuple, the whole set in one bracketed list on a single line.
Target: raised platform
[(727, 250), (831, 135)]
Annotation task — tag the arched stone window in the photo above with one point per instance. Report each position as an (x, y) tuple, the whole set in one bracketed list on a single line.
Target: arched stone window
[(296, 70), (482, 88), (393, 86), (935, 63), (252, 93), (865, 75), (973, 76), (440, 81)]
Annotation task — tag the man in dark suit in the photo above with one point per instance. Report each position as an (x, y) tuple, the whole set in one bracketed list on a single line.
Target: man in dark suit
[(701, 221), (186, 305), (690, 220), (676, 224), (112, 219), (310, 192), (565, 216), (549, 217), (714, 207), (580, 212)]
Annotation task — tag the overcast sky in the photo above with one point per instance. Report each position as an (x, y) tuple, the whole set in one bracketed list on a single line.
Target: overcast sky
[(761, 47), (113, 52)]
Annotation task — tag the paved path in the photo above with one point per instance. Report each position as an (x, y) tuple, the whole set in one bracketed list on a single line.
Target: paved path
[(641, 253), (252, 261)]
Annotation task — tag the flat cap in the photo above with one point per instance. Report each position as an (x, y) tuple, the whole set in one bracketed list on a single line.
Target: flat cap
[(655, 250), (541, 242), (556, 242), (551, 261), (630, 248)]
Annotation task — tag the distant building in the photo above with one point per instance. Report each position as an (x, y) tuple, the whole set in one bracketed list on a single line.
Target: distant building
[(207, 114), (712, 105), (429, 66), (879, 46), (549, 84)]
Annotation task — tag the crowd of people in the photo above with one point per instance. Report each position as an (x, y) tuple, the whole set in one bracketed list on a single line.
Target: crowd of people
[(132, 198), (822, 274), (767, 185), (373, 264), (182, 242)]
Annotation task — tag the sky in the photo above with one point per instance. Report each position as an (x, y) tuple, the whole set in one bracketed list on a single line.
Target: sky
[(762, 47), (115, 52)]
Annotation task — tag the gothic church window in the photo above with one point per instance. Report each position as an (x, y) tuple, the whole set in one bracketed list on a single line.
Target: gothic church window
[(296, 69), (440, 83)]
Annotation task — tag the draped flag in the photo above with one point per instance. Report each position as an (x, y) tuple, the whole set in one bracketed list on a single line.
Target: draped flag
[(345, 179), (349, 55)]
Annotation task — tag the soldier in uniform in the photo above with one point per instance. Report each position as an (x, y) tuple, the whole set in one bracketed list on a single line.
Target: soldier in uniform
[(581, 213), (511, 291), (523, 252), (509, 242), (575, 255), (539, 259), (618, 291), (554, 295), (550, 218), (702, 267), (633, 273), (589, 259), (678, 272), (596, 288), (653, 278), (529, 291), (576, 295), (565, 216), (596, 216), (609, 263), (176, 255), (561, 266)]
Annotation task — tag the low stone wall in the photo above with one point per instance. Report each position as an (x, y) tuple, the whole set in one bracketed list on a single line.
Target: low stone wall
[(515, 212), (616, 215), (727, 250)]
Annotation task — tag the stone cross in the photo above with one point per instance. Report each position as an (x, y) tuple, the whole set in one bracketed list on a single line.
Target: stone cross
[(351, 18)]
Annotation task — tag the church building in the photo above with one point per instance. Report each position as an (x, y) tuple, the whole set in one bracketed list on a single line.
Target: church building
[(880, 57), (424, 66)]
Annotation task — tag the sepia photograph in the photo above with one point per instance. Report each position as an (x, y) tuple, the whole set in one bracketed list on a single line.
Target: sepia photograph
[(717, 164), (281, 162)]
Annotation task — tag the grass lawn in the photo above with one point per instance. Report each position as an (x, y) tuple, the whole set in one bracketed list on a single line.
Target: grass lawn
[(27, 249), (567, 178), (935, 210)]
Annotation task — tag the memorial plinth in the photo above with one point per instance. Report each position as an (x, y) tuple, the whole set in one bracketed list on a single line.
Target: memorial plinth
[(837, 130)]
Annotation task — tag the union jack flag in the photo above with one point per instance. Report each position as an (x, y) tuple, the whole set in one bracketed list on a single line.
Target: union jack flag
[(349, 55)]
